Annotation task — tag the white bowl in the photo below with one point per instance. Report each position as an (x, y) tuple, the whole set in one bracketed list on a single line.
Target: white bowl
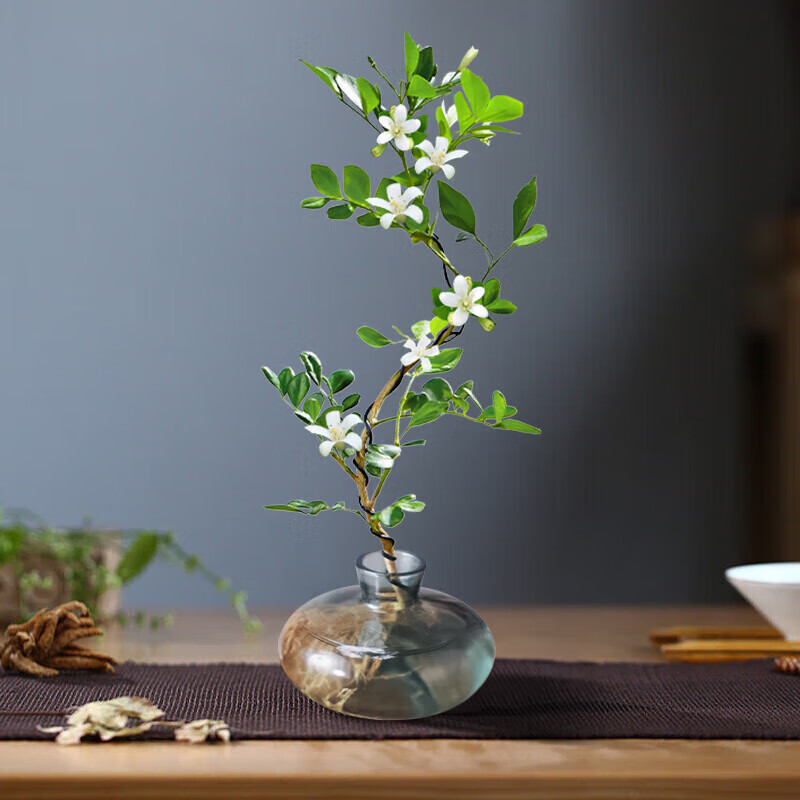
[(773, 590)]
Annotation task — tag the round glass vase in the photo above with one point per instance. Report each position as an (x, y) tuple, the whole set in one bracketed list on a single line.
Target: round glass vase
[(386, 648)]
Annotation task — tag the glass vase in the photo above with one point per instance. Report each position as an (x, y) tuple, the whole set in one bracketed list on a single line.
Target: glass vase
[(387, 648)]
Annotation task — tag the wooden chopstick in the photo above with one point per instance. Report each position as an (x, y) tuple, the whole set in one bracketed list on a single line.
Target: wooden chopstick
[(679, 633), (698, 650)]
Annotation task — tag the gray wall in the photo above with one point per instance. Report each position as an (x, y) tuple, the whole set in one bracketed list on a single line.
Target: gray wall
[(152, 156)]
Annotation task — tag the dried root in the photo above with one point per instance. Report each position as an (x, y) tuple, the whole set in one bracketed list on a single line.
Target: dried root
[(47, 643)]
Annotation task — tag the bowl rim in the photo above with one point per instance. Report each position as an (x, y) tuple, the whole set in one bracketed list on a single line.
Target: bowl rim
[(732, 577)]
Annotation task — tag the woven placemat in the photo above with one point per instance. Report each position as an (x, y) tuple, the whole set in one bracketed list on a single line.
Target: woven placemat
[(520, 700)]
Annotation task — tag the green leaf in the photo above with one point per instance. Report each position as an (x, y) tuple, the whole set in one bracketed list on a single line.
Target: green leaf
[(421, 328), (138, 556), (524, 204), (349, 87), (312, 507), (313, 365), (444, 128), (437, 325), (313, 405), (324, 178), (341, 212), (438, 389), (368, 220), (502, 307), (455, 208), (382, 187), (516, 425), (350, 401), (476, 91), (298, 388), (340, 379), (304, 416), (372, 337), (414, 443), (381, 456), (445, 361), (285, 378), (409, 502), (419, 87), (314, 202), (425, 66), (465, 118), (412, 56), (531, 236), (369, 97), (326, 75), (502, 108), (356, 183), (391, 516), (427, 413), (499, 405), (271, 377)]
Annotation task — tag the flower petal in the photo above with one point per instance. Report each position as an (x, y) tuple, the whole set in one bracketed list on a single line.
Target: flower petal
[(456, 154), (422, 163), (410, 344), (424, 341), (379, 203), (318, 430), (449, 170), (325, 447), (477, 293), (354, 440), (411, 126), (460, 286), (411, 194), (432, 351), (442, 144), (384, 138), (385, 121), (460, 316), (400, 114), (415, 212), (386, 221), (448, 299), (333, 418), (426, 364), (407, 359), (350, 420), (394, 191), (425, 146), (479, 310), (402, 142)]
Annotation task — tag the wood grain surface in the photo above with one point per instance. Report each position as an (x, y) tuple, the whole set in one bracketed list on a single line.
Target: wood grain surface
[(414, 770)]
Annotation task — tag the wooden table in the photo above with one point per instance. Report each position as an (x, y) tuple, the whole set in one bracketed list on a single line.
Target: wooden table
[(413, 770)]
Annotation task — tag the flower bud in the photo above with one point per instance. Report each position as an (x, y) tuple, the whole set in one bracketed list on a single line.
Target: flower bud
[(468, 58)]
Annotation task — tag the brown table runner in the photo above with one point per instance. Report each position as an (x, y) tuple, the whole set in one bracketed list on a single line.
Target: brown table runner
[(520, 700)]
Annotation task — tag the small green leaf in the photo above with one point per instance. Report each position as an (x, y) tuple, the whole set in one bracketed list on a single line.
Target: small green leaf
[(516, 425), (435, 292), (502, 108), (414, 443), (350, 401), (476, 91), (381, 456), (531, 236), (425, 66), (419, 87), (340, 379), (455, 208), (391, 516), (368, 220), (409, 503), (326, 75), (445, 361), (465, 118), (427, 413), (356, 183), (437, 325), (324, 178), (285, 378), (492, 291), (298, 388), (313, 405), (524, 204), (438, 389), (341, 212), (349, 87), (141, 552), (372, 337), (462, 237), (444, 128), (314, 202), (502, 307), (313, 365), (499, 405), (271, 377), (369, 96), (412, 56), (304, 416), (421, 328)]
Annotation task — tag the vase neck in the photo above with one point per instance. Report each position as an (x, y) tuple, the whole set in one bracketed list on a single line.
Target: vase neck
[(378, 584)]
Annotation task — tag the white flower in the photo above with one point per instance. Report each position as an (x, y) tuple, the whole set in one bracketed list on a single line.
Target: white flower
[(448, 77), (464, 300), (450, 114), (420, 351), (397, 128), (398, 206), (338, 433), (437, 157)]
